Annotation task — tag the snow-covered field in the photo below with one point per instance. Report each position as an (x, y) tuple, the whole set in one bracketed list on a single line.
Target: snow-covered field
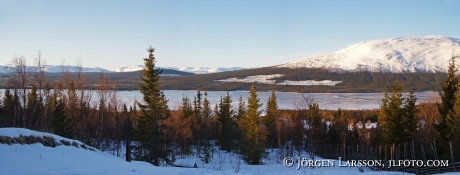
[(265, 79), (38, 159)]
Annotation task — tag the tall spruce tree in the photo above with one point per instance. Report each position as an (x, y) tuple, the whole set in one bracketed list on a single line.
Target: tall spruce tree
[(316, 133), (7, 115), (225, 123), (150, 127), (448, 121), (197, 118), (62, 124), (33, 109), (205, 151), (448, 124), (241, 111), (253, 149), (270, 119), (397, 116), (410, 111)]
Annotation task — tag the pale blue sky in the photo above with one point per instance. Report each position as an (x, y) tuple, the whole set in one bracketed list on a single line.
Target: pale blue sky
[(214, 33)]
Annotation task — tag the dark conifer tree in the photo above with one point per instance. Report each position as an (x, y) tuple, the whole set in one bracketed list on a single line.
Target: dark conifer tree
[(7, 115), (205, 151), (270, 119), (411, 120), (17, 110), (150, 127), (253, 149), (316, 131), (449, 119), (33, 109), (397, 116), (225, 122), (61, 124), (241, 111)]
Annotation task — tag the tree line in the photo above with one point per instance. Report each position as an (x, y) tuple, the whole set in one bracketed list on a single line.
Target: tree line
[(151, 132)]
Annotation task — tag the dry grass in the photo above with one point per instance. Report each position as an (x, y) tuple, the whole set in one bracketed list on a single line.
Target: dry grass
[(6, 140), (45, 141), (74, 143)]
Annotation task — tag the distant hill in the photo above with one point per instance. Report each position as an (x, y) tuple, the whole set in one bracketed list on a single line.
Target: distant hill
[(321, 80)]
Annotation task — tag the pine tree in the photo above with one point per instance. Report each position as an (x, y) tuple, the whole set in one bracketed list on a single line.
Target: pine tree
[(197, 103), (205, 151), (270, 119), (253, 149), (7, 115), (187, 123), (448, 121), (397, 116), (241, 111), (225, 120), (197, 118), (150, 126), (62, 125), (448, 127), (411, 120), (316, 132), (33, 109)]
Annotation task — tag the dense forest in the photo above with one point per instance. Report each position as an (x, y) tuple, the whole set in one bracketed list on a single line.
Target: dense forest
[(158, 135)]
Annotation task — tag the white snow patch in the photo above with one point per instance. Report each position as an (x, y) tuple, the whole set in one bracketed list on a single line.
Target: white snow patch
[(265, 79), (310, 82)]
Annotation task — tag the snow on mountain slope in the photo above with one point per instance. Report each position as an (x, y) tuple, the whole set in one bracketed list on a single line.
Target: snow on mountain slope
[(129, 69), (406, 54), (56, 69), (195, 70)]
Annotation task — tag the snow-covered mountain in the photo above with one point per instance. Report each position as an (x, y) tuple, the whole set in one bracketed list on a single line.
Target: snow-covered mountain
[(406, 54), (195, 70), (57, 69)]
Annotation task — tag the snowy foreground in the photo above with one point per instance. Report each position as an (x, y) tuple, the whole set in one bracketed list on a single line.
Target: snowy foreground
[(38, 159)]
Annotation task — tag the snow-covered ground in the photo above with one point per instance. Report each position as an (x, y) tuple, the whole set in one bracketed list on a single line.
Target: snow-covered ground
[(265, 79), (38, 159), (405, 54)]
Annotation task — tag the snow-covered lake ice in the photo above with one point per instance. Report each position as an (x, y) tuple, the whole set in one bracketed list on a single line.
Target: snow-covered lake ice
[(286, 100)]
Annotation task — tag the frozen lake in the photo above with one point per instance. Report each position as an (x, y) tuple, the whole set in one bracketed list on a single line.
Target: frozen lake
[(286, 100)]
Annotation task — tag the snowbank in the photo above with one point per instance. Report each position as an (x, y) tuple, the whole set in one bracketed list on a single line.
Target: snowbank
[(38, 159)]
